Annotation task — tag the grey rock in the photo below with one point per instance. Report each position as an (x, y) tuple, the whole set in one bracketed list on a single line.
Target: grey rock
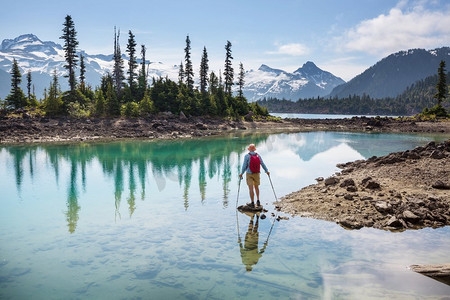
[(382, 207), (331, 180), (373, 185), (352, 189), (394, 222), (440, 185), (410, 216), (437, 154), (347, 182)]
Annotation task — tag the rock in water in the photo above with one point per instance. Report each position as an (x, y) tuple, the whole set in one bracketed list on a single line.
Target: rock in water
[(249, 208)]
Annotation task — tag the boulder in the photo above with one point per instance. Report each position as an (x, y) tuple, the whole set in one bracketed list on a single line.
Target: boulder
[(347, 182), (373, 185), (394, 222), (437, 154), (352, 189), (440, 185), (383, 207), (410, 216), (331, 180)]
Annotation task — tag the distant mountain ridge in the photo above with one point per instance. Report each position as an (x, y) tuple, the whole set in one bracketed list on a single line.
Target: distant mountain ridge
[(43, 58), (393, 74), (305, 82)]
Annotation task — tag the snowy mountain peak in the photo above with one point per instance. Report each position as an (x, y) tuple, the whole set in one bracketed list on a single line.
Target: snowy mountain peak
[(29, 43), (306, 82), (266, 68)]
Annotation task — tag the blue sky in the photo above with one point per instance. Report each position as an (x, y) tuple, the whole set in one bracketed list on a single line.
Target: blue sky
[(344, 37)]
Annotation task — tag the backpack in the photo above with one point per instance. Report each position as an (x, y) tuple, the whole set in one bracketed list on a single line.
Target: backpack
[(255, 163)]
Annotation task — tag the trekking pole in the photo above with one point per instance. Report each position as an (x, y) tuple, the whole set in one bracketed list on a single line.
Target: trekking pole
[(239, 187), (276, 199), (237, 218)]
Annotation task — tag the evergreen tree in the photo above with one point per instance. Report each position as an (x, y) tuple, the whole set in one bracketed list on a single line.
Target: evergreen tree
[(442, 89), (99, 103), (16, 98), (228, 73), (204, 68), (132, 63), (241, 80), (118, 65), (82, 73), (31, 97), (142, 80), (181, 74), (188, 69), (53, 104), (70, 48), (29, 86), (213, 83), (112, 106)]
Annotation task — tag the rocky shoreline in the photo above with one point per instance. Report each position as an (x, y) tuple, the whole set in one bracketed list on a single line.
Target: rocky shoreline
[(399, 191), (28, 129)]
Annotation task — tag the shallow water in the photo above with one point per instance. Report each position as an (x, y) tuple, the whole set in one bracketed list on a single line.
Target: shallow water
[(157, 219)]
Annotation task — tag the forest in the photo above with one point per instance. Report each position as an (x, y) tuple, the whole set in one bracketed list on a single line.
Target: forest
[(131, 94), (415, 99)]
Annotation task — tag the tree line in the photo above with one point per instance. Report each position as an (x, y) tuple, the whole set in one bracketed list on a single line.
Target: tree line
[(130, 94), (424, 96)]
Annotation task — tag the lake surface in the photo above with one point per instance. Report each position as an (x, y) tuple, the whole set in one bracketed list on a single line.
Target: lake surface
[(157, 220), (319, 116)]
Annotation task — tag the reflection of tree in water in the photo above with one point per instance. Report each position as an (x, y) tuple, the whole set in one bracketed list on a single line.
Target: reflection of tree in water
[(169, 160), (72, 199)]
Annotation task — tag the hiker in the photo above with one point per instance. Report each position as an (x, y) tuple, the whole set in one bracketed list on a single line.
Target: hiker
[(249, 251), (251, 166)]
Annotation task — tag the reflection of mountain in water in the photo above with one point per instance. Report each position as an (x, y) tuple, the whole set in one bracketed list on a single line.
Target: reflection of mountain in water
[(133, 161), (309, 144)]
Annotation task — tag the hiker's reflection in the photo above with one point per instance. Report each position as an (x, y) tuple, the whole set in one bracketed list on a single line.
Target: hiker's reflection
[(249, 251)]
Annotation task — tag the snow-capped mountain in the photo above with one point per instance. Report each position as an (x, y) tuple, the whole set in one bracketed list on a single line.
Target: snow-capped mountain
[(44, 58), (306, 82)]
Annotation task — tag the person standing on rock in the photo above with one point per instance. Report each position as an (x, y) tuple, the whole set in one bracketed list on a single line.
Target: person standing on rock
[(251, 167)]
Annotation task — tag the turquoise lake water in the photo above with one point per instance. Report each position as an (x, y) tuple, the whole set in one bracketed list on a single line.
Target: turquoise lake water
[(157, 220)]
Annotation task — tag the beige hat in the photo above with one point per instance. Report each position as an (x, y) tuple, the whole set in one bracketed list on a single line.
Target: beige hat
[(251, 147)]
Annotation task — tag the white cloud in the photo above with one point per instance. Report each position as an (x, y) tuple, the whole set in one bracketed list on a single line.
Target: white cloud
[(402, 28), (294, 49)]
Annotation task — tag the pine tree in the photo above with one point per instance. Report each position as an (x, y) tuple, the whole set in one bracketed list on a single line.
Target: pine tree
[(441, 86), (82, 72), (228, 73), (53, 104), (31, 97), (213, 83), (70, 48), (118, 65), (99, 103), (112, 105), (29, 86), (188, 69), (132, 63), (204, 69), (16, 98), (142, 80), (181, 74), (241, 80)]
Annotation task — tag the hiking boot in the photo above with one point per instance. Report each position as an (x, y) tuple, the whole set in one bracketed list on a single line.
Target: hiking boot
[(251, 205), (258, 203)]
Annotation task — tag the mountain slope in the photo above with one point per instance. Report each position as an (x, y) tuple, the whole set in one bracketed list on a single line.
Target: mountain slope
[(306, 82), (43, 58), (393, 74)]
